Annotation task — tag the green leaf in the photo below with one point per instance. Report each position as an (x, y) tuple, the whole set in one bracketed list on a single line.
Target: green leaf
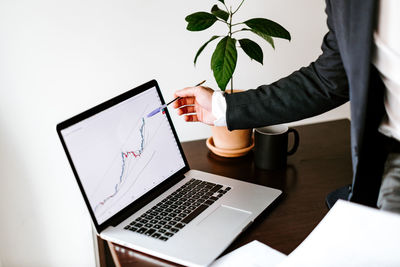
[(219, 13), (223, 61), (200, 21), (203, 46), (252, 49), (222, 1), (265, 37), (268, 27)]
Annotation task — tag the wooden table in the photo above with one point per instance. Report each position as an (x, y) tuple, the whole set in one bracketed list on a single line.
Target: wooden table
[(321, 164)]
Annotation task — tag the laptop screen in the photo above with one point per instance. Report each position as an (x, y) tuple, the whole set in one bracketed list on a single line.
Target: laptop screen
[(120, 154)]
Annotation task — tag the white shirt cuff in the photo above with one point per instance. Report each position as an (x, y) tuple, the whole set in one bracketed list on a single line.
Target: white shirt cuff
[(218, 108)]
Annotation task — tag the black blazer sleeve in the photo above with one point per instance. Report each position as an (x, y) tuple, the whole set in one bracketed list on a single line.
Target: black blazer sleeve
[(307, 92)]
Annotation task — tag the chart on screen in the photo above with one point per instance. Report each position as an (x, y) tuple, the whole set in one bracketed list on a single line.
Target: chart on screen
[(120, 154)]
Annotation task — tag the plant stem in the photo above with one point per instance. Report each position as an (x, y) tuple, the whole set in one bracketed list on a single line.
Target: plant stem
[(238, 7), (230, 23)]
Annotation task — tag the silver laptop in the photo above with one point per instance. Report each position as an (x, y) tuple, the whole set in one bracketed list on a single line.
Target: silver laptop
[(139, 189)]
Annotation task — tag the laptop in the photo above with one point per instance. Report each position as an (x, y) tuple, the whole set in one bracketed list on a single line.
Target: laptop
[(139, 189)]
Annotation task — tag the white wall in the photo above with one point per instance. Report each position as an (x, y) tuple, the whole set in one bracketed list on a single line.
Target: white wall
[(58, 58)]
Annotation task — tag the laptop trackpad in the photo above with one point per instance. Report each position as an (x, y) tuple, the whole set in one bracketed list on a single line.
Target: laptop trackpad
[(228, 217)]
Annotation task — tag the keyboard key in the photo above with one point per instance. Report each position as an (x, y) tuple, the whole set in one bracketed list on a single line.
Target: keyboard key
[(157, 226), (172, 222), (216, 188), (177, 218), (174, 230), (139, 225), (167, 226), (197, 181), (126, 227), (187, 211), (194, 214), (177, 211), (163, 238), (169, 234), (179, 225), (133, 229), (162, 231), (209, 202), (156, 235), (142, 230), (150, 232)]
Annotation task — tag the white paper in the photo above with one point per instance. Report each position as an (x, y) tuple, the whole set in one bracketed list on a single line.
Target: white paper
[(253, 254), (350, 235)]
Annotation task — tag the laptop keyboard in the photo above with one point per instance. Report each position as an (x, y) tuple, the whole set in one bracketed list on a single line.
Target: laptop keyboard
[(171, 214)]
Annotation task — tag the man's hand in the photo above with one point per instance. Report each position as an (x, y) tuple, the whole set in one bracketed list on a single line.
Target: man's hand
[(195, 104)]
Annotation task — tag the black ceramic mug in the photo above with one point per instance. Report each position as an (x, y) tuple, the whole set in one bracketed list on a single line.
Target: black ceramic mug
[(271, 146)]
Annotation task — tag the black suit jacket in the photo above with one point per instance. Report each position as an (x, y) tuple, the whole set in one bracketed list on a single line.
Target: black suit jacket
[(343, 72)]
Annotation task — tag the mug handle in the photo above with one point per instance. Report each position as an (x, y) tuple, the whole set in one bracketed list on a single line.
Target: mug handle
[(296, 141)]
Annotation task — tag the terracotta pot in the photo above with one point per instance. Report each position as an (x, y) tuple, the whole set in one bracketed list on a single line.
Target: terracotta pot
[(225, 139)]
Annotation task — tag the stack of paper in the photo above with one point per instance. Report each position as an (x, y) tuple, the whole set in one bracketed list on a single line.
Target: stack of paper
[(350, 235), (253, 254)]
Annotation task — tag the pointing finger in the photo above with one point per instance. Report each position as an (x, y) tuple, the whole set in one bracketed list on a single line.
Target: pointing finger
[(184, 101), (186, 110)]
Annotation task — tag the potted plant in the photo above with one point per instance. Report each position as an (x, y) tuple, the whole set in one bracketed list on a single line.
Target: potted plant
[(224, 58)]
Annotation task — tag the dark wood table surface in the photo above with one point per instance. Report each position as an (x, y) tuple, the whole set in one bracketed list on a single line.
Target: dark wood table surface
[(321, 164)]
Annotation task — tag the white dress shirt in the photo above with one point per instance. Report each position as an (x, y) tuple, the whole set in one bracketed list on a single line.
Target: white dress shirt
[(386, 58)]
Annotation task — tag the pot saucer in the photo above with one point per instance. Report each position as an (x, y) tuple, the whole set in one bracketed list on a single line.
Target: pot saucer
[(228, 153)]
